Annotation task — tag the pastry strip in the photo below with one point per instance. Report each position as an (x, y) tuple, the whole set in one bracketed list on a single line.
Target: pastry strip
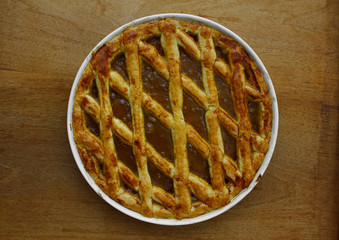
[(215, 159), (170, 46), (139, 140)]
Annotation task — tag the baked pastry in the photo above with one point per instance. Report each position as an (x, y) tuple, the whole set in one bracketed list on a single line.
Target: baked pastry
[(172, 119)]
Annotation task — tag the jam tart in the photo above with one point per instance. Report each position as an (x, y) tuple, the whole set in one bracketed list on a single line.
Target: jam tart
[(172, 119)]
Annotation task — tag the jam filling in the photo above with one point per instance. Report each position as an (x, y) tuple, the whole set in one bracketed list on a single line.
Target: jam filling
[(195, 115), (119, 64), (198, 165), (128, 188), (254, 113), (191, 68), (125, 155), (155, 42), (230, 143), (225, 96), (155, 86), (223, 56), (195, 38), (121, 108), (159, 179), (94, 90), (250, 78), (92, 125), (158, 136)]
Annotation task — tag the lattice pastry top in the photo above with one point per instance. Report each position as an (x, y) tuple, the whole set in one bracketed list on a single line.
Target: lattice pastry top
[(133, 92)]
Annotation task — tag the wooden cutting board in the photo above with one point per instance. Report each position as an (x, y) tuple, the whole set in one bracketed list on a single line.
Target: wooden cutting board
[(43, 194)]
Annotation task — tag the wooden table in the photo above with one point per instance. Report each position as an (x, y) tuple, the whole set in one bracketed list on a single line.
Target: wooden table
[(44, 196)]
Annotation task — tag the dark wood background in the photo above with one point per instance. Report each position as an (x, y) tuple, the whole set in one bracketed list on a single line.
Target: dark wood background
[(44, 196)]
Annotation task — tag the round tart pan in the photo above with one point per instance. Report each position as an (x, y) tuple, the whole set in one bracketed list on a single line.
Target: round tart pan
[(239, 196)]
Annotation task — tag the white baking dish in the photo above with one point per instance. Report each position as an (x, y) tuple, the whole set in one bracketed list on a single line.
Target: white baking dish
[(243, 193)]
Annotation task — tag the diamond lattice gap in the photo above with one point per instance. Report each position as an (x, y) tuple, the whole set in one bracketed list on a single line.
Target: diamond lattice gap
[(254, 113), (198, 165), (155, 86), (158, 136), (125, 155), (119, 64), (195, 115), (160, 179), (230, 143), (121, 108), (155, 42), (191, 68), (92, 125), (225, 96)]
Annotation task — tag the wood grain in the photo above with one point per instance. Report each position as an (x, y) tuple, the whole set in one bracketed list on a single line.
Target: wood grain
[(44, 196)]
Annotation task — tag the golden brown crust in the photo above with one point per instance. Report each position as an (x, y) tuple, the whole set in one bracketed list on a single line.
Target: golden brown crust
[(99, 155)]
